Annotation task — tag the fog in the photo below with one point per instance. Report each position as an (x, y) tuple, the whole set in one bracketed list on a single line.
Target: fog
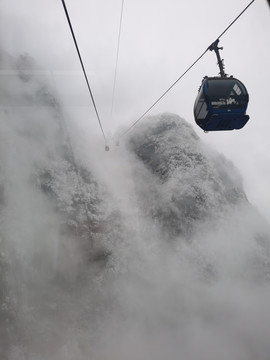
[(148, 251), (156, 248), (160, 39)]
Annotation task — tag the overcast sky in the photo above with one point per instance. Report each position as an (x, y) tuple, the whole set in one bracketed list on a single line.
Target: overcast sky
[(159, 40)]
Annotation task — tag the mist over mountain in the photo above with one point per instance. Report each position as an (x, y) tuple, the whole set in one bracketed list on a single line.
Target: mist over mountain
[(149, 251), (193, 182)]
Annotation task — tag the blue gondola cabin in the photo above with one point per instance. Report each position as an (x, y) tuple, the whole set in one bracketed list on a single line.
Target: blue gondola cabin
[(221, 104)]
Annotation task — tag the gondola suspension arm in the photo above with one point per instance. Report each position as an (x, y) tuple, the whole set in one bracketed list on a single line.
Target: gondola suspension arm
[(214, 46)]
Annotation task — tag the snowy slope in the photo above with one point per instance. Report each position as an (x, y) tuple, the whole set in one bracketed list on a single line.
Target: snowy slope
[(192, 183)]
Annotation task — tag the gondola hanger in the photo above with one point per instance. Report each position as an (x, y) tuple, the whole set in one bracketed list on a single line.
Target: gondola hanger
[(214, 46)]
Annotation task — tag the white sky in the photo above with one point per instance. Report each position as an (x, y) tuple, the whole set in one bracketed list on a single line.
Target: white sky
[(160, 39)]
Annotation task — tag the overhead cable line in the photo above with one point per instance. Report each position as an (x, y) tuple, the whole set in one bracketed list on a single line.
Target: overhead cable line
[(147, 111), (83, 68), (117, 57), (237, 17), (184, 73)]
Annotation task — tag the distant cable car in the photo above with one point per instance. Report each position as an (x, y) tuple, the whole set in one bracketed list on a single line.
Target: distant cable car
[(222, 101)]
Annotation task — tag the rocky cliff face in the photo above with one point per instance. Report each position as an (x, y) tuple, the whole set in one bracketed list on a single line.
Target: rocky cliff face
[(150, 251), (192, 183)]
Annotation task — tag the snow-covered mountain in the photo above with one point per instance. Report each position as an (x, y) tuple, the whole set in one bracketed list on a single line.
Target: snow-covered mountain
[(149, 251), (192, 184)]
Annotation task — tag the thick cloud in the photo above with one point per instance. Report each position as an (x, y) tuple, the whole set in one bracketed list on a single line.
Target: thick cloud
[(151, 250)]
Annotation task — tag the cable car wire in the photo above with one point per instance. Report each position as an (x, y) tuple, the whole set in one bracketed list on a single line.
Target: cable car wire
[(83, 68), (227, 28), (117, 56), (184, 73)]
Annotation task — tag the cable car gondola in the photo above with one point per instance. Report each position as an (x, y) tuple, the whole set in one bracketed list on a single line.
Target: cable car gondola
[(222, 101)]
